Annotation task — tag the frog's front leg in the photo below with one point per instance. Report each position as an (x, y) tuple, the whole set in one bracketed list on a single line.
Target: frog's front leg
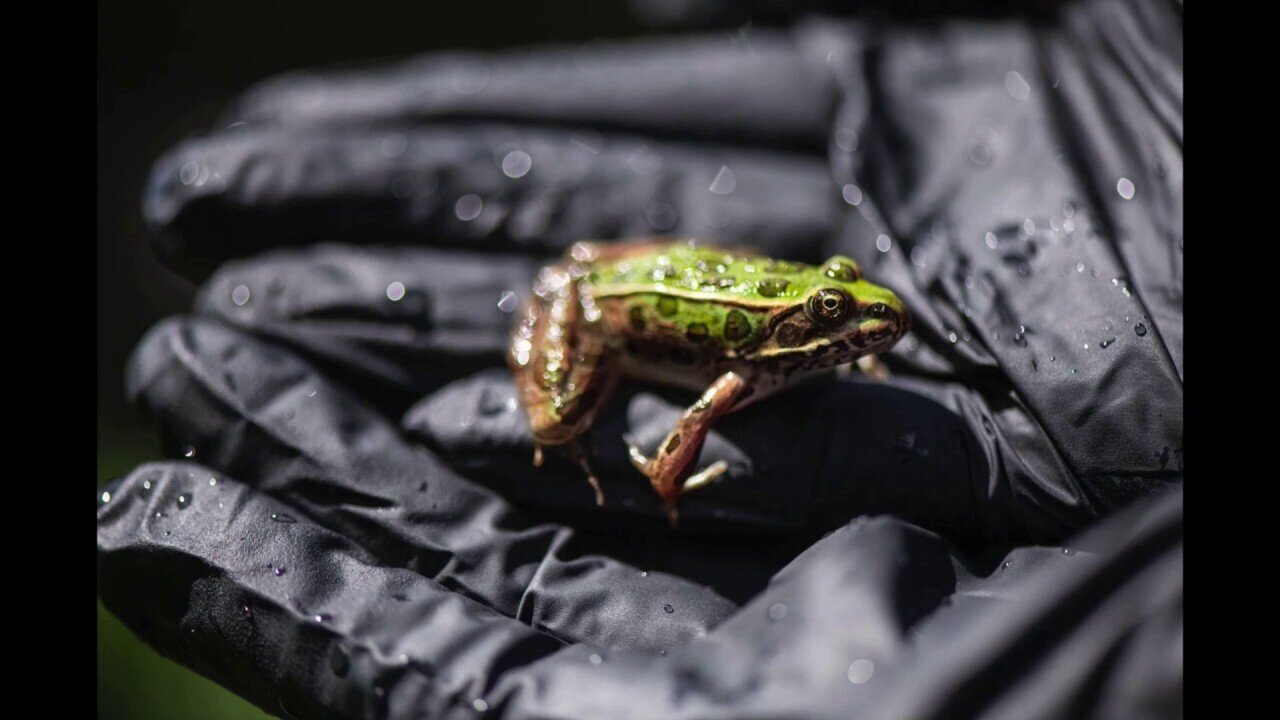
[(668, 470)]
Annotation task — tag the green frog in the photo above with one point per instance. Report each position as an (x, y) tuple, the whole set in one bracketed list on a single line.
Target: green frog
[(736, 325)]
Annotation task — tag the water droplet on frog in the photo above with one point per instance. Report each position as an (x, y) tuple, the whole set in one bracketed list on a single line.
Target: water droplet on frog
[(725, 182), (883, 243), (339, 661), (395, 291), (240, 295), (1106, 343), (777, 611), (1016, 85), (1125, 187), (668, 609), (189, 452), (1140, 329), (468, 207), (860, 671), (184, 501), (852, 194), (516, 164), (283, 518), (595, 659), (508, 302)]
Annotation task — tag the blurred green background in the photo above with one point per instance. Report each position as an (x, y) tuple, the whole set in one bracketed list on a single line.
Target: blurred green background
[(165, 71)]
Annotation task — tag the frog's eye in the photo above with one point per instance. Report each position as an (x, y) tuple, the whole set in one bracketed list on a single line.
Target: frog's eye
[(842, 269), (830, 306)]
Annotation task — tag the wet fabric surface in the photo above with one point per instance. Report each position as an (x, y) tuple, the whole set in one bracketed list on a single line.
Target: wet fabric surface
[(349, 524)]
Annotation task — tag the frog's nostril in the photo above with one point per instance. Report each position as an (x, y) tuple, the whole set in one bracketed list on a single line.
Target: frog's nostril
[(880, 311)]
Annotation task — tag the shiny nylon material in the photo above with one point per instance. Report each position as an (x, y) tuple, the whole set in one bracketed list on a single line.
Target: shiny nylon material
[(358, 532)]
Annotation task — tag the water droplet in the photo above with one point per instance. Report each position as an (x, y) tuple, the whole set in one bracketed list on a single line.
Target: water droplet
[(918, 256), (777, 611), (468, 207), (852, 194), (213, 482), (469, 78), (184, 501), (953, 338), (106, 496), (595, 659), (644, 573), (846, 139), (394, 145), (991, 240), (395, 291), (322, 617), (508, 302), (1124, 186), (278, 571), (146, 487), (1016, 85), (668, 609), (516, 164), (189, 452), (480, 705), (725, 182), (1006, 565), (283, 518), (1140, 329), (662, 216), (189, 172), (860, 671), (1068, 551), (883, 243), (240, 295), (1106, 343)]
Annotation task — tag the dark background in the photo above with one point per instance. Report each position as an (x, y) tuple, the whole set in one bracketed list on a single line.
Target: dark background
[(165, 71)]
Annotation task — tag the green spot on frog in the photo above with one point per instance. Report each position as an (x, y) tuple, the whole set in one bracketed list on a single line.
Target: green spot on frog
[(772, 287), (736, 325), (636, 315), (697, 332), (668, 306)]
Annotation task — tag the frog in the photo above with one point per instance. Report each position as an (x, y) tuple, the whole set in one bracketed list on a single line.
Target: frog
[(732, 324)]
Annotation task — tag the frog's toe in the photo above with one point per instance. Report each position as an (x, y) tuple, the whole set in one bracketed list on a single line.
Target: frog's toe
[(638, 459), (705, 477)]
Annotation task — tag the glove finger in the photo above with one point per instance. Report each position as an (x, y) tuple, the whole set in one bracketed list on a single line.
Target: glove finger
[(294, 617), (801, 464), (774, 90), (261, 415), (391, 324), (1034, 273), (524, 189)]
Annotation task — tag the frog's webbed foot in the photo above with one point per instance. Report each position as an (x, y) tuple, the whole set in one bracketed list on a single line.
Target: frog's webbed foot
[(668, 469)]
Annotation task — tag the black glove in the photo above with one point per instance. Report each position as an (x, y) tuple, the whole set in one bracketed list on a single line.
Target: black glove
[(345, 541)]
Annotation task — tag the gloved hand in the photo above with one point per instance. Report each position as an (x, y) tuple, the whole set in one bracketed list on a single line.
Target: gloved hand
[(358, 530)]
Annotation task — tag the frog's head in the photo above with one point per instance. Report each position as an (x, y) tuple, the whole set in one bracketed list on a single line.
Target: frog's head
[(834, 316)]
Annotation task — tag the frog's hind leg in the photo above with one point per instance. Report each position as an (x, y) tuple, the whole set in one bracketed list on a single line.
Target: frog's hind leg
[(668, 469)]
